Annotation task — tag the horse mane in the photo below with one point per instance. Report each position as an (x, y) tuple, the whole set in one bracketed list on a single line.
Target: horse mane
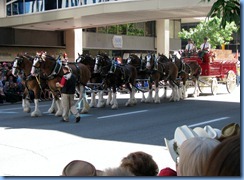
[(50, 57), (104, 55), (134, 56), (163, 58)]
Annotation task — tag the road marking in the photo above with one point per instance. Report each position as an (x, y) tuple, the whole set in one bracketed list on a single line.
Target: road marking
[(122, 114), (207, 122)]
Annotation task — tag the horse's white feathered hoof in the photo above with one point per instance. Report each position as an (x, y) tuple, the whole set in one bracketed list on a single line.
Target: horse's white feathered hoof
[(143, 99), (129, 103), (134, 101), (51, 111), (92, 105), (36, 113), (115, 106), (149, 100), (101, 104), (195, 95), (84, 111), (157, 101), (58, 113), (27, 109), (171, 99)]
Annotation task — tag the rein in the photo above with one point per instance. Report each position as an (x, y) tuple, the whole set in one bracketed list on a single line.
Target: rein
[(55, 70)]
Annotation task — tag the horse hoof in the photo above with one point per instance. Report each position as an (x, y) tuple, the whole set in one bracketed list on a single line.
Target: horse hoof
[(84, 112), (114, 107), (36, 114), (92, 106), (51, 111), (58, 114), (27, 110)]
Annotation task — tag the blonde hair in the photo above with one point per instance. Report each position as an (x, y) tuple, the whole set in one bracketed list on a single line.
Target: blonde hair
[(193, 155)]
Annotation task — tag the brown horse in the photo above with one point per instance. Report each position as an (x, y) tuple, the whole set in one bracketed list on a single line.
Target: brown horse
[(31, 83), (190, 71), (52, 69), (115, 76), (95, 80), (142, 73), (162, 70)]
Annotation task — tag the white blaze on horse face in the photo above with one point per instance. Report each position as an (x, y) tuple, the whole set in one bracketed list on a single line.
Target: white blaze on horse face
[(14, 68), (33, 69), (129, 60), (148, 65), (95, 67)]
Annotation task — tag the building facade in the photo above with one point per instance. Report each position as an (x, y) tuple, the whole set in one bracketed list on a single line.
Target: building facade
[(117, 27)]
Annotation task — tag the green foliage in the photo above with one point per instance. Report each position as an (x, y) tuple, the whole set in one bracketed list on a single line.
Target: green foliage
[(133, 31), (228, 10), (122, 29), (210, 28), (112, 29)]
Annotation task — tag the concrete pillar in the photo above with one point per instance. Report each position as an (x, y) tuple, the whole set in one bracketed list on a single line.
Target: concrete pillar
[(78, 42), (73, 40), (162, 31), (3, 9)]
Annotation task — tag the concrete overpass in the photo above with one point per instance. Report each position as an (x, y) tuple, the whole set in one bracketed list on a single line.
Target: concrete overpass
[(108, 13)]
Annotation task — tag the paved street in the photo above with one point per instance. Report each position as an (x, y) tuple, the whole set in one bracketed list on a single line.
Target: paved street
[(43, 146)]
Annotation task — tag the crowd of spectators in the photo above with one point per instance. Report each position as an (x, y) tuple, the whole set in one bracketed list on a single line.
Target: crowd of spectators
[(11, 87), (197, 152)]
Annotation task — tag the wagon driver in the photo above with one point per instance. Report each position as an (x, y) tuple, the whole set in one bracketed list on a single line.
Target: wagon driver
[(204, 48), (67, 85), (189, 48)]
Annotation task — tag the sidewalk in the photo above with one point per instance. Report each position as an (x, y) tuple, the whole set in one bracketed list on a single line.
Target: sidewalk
[(47, 152)]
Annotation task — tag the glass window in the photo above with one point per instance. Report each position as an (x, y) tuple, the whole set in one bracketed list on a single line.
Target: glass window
[(9, 10), (18, 7), (91, 30), (49, 5), (135, 29), (112, 29), (102, 29), (150, 28), (122, 29)]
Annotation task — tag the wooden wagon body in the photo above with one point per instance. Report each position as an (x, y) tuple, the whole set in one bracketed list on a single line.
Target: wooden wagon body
[(217, 69)]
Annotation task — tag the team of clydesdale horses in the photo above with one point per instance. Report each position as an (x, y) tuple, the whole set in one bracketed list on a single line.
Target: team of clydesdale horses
[(102, 74)]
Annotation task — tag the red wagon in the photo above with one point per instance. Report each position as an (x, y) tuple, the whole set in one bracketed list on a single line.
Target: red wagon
[(216, 70)]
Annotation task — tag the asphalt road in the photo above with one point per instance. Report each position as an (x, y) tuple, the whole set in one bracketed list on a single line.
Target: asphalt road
[(42, 146)]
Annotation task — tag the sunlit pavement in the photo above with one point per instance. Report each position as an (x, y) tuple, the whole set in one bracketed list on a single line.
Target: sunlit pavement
[(30, 152), (46, 153)]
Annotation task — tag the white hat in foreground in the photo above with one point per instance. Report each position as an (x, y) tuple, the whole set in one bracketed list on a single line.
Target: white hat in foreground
[(182, 133)]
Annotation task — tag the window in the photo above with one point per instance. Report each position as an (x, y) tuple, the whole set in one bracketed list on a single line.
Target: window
[(102, 29), (112, 29), (122, 29), (150, 28)]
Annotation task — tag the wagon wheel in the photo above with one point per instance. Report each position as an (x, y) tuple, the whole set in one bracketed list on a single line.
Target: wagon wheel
[(231, 81), (214, 86)]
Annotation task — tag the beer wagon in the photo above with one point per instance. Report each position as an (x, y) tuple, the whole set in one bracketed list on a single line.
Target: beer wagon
[(216, 70)]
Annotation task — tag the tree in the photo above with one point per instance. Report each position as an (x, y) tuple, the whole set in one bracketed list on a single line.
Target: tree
[(212, 30), (228, 10)]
